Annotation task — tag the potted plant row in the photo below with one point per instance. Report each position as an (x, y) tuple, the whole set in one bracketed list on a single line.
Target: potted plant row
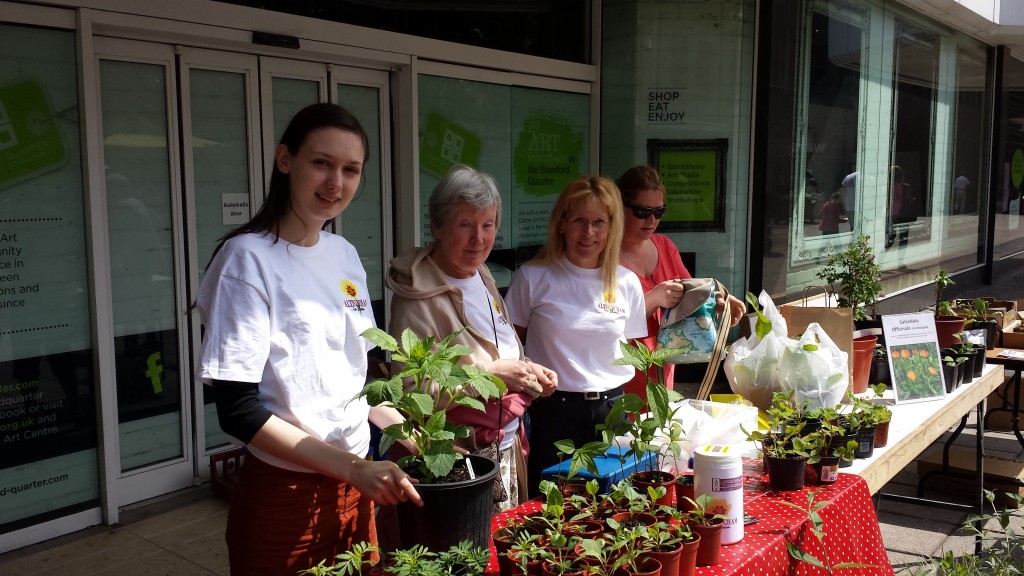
[(620, 530), (363, 559), (826, 437)]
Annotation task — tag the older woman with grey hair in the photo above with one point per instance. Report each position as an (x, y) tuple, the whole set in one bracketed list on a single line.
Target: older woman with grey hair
[(445, 287)]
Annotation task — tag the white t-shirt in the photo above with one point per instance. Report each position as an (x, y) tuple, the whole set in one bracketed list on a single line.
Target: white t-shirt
[(485, 316), (573, 327), (290, 318)]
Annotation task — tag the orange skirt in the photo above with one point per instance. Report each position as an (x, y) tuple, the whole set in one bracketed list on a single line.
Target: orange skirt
[(281, 522)]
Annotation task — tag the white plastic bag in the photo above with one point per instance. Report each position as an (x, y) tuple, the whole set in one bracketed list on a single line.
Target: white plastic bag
[(752, 365), (815, 368)]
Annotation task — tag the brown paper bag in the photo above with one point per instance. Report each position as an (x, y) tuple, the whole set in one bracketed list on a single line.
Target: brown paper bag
[(837, 323)]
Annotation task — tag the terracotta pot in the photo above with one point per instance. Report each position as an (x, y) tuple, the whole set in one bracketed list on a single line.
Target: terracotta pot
[(684, 490), (947, 327), (786, 474), (653, 479), (882, 435), (557, 551), (635, 518), (503, 540), (532, 568), (584, 528), (709, 552), (688, 558), (863, 347), (578, 567), (669, 559), (647, 567)]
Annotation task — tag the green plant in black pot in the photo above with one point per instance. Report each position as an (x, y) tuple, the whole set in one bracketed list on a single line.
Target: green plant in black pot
[(786, 446), (430, 383), (431, 380)]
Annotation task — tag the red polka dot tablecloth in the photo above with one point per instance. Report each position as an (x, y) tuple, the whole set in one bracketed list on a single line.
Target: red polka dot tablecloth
[(852, 534)]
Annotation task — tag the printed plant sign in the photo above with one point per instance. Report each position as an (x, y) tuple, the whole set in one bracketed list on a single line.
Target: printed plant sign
[(914, 360), (916, 368)]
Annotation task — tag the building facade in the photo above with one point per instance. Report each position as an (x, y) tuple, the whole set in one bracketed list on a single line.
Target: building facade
[(134, 135)]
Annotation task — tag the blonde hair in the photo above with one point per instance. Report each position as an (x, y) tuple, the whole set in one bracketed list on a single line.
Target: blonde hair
[(604, 191)]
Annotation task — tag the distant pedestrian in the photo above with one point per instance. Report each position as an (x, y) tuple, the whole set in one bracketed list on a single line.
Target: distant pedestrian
[(960, 186), (830, 213)]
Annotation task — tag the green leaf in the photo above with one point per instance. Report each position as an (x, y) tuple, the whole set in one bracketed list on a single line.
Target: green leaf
[(810, 347), (441, 464), (803, 556), (381, 339)]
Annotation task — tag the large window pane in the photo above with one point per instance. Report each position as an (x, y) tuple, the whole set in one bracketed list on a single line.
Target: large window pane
[(885, 112), (1008, 237), (220, 164), (362, 223), (135, 149), (47, 392), (532, 141)]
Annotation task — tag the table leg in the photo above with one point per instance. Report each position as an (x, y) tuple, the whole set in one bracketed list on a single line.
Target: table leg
[(1016, 408), (980, 464), (945, 454)]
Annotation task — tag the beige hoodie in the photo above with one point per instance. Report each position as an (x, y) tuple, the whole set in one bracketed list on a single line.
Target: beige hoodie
[(427, 303)]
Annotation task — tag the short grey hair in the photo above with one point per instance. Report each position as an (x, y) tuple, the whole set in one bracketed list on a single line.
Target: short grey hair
[(463, 184)]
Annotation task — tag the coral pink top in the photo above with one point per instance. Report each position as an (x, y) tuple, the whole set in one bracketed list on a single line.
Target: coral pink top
[(670, 267)]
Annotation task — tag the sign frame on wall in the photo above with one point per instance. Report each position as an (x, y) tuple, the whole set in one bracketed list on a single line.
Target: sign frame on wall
[(693, 172)]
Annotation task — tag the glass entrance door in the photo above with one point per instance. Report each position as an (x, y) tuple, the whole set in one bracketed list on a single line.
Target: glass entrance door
[(170, 199), (145, 235)]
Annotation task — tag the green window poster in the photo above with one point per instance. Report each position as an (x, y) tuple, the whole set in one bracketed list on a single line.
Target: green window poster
[(693, 172), (550, 142), (464, 122), (30, 143)]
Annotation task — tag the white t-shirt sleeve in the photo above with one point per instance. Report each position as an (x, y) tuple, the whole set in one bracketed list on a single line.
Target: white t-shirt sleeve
[(636, 322), (518, 296), (236, 343)]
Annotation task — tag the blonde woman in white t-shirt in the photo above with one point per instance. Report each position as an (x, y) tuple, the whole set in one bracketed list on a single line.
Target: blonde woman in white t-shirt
[(572, 305)]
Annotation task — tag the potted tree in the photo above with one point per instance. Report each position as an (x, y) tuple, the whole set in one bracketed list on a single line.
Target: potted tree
[(947, 323), (855, 278), (456, 489)]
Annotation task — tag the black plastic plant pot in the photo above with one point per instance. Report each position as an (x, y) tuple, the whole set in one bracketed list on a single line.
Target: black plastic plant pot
[(451, 512), (842, 441), (880, 371), (786, 474), (979, 360), (967, 366), (865, 442), (950, 376)]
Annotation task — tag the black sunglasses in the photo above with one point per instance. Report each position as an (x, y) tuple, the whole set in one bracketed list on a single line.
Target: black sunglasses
[(643, 213)]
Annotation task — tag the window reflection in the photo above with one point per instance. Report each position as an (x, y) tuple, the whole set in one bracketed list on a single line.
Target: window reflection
[(830, 193), (910, 195)]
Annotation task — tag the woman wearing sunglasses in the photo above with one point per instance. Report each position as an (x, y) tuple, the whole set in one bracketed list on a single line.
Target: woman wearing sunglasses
[(654, 259)]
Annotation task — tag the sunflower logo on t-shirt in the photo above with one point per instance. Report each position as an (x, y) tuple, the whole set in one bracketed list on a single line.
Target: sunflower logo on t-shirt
[(607, 304), (497, 310), (352, 291)]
